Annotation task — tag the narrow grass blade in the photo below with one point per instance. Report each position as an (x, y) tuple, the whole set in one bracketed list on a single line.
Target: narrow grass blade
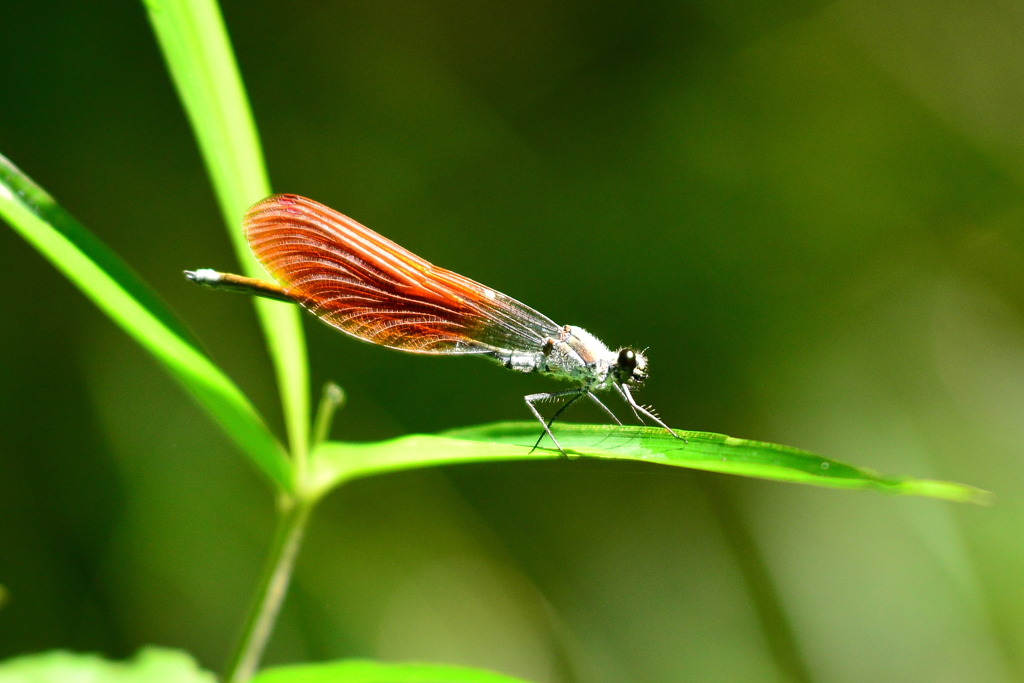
[(377, 672), (130, 303), (336, 462), (198, 52)]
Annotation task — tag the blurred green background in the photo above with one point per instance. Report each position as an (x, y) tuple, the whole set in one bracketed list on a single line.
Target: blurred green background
[(810, 212)]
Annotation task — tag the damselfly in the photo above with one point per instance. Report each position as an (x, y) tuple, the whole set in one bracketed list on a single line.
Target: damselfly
[(372, 289)]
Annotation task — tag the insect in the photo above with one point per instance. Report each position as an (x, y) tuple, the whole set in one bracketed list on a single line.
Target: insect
[(372, 289)]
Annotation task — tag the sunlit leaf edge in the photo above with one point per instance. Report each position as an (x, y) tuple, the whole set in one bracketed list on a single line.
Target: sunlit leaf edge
[(152, 664), (335, 462), (362, 671), (114, 287)]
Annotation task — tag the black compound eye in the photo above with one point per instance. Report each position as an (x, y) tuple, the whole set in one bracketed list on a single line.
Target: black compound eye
[(627, 361)]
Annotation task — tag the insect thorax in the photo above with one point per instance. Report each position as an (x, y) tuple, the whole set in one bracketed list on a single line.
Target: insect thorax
[(574, 354)]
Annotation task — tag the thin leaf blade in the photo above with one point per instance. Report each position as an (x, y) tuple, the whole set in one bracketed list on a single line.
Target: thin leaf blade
[(336, 462), (195, 44), (359, 671), (137, 309)]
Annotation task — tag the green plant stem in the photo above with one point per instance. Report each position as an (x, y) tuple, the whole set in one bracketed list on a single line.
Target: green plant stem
[(292, 522), (332, 399)]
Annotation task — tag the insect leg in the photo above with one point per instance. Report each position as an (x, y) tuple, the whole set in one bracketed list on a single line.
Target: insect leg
[(639, 410), (633, 405), (605, 408), (531, 399)]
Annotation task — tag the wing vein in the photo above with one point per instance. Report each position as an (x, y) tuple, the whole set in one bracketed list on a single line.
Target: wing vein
[(371, 288)]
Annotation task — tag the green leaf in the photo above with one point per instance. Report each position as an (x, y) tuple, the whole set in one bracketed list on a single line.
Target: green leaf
[(152, 665), (198, 53), (376, 672), (119, 293), (336, 462)]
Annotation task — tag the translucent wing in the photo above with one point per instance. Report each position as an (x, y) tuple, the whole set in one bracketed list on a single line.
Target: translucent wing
[(371, 288)]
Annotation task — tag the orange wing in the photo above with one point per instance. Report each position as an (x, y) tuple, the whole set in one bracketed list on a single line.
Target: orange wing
[(371, 288)]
